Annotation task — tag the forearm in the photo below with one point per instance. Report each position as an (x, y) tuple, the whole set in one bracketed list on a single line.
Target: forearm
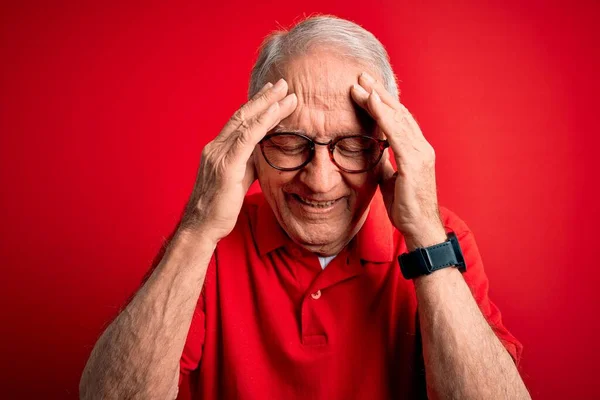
[(138, 354), (463, 357)]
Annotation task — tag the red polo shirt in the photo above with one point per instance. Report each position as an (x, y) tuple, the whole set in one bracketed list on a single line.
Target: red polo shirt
[(272, 324)]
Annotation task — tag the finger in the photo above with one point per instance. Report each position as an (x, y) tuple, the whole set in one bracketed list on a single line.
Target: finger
[(369, 84), (262, 102), (409, 119), (250, 134), (360, 97), (380, 112), (393, 128), (401, 113), (266, 87), (251, 109)]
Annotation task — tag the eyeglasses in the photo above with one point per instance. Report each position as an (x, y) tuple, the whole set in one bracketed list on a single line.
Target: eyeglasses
[(292, 151)]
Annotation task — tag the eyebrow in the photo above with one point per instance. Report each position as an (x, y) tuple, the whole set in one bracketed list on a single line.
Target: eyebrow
[(280, 129)]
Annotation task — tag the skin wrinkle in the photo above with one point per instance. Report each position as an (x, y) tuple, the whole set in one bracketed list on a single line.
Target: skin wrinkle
[(325, 91), (137, 354), (366, 125), (139, 338), (325, 111)]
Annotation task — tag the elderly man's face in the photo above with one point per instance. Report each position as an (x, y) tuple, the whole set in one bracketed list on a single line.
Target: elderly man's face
[(320, 206)]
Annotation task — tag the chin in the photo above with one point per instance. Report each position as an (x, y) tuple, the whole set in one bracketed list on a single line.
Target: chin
[(318, 229), (316, 235), (319, 235)]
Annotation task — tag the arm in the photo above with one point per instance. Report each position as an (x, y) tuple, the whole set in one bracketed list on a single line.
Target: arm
[(138, 355), (463, 356)]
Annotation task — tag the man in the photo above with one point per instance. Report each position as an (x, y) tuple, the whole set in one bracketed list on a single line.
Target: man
[(297, 292)]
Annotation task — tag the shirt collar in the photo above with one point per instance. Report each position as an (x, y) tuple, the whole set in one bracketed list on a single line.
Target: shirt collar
[(374, 242), (268, 234)]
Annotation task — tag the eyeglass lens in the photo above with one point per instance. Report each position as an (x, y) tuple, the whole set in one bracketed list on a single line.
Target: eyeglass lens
[(289, 151)]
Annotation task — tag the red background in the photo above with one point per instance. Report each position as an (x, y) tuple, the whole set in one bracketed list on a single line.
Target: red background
[(105, 108)]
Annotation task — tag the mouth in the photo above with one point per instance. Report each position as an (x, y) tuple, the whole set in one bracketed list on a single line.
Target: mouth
[(315, 204)]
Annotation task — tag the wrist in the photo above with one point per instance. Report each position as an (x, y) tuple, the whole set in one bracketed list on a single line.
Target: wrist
[(187, 255), (439, 254), (437, 277), (195, 227), (429, 236), (197, 236)]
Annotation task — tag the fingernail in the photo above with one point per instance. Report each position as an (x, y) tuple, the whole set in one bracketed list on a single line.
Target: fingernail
[(273, 107), (367, 77), (360, 89), (279, 85), (375, 95), (288, 100), (267, 85)]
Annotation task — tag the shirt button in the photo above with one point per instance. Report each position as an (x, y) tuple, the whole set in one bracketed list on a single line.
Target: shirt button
[(316, 295)]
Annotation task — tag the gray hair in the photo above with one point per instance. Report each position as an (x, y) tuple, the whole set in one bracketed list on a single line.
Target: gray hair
[(349, 39)]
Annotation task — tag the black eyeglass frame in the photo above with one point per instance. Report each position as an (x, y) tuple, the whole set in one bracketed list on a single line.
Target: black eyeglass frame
[(383, 144)]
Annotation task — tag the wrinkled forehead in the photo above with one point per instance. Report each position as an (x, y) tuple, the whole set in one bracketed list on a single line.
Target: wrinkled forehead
[(322, 78), (322, 82)]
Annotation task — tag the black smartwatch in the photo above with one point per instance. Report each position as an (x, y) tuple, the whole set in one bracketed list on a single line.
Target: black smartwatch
[(425, 260)]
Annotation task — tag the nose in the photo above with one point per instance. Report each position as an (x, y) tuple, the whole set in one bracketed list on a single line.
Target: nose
[(321, 175)]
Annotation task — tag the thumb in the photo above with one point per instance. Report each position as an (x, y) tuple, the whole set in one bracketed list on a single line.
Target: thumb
[(387, 170), (388, 184), (250, 175)]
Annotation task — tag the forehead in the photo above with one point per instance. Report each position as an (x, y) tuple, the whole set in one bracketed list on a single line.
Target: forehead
[(322, 81)]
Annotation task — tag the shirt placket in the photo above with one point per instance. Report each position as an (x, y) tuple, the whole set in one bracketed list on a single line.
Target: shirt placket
[(313, 324)]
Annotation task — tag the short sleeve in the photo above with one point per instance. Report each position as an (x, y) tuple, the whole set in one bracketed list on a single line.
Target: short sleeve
[(477, 281), (192, 350)]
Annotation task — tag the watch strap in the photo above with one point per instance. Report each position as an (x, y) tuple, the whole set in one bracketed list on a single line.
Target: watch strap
[(425, 260)]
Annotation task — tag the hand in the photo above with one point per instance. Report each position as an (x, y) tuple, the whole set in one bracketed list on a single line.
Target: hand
[(226, 168), (410, 194)]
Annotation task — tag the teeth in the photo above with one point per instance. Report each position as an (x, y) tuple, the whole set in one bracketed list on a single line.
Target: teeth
[(318, 204)]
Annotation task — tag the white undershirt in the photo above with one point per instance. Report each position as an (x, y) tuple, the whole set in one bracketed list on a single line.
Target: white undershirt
[(325, 260)]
